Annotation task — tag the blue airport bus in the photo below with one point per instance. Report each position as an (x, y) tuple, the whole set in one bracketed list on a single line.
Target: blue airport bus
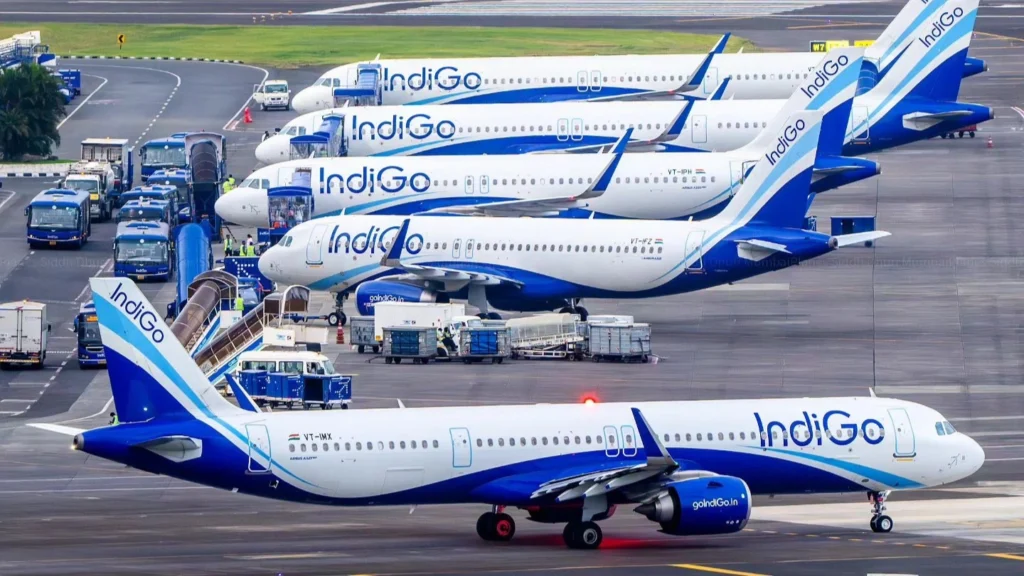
[(58, 217), (145, 211), (181, 181), (142, 251), (163, 193), (162, 154), (87, 328)]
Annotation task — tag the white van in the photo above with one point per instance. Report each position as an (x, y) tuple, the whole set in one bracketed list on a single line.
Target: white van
[(290, 361), (272, 94)]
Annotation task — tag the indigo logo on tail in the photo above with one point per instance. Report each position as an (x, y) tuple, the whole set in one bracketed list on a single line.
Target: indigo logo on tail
[(944, 22), (789, 136), (826, 72), (135, 310)]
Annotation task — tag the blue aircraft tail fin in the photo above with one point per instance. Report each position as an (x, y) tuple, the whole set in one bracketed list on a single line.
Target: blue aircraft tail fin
[(893, 41), (151, 373), (775, 192), (932, 64), (830, 88)]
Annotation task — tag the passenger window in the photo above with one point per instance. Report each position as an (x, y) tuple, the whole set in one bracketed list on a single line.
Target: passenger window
[(544, 440), (435, 443), (479, 443), (490, 442), (313, 446), (688, 438), (359, 445), (303, 447), (699, 437), (554, 440), (291, 447), (501, 441), (348, 446)]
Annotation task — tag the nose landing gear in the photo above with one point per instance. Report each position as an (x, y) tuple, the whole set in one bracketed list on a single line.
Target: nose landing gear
[(496, 526), (879, 522)]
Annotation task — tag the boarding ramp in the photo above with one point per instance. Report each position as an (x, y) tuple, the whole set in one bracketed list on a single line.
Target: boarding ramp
[(261, 327), (328, 141), (368, 87), (203, 305), (205, 154), (25, 48)]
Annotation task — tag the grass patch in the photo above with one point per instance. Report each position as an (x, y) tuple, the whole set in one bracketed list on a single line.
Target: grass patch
[(294, 46)]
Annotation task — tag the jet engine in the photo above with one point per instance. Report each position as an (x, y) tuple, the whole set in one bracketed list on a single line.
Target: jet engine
[(701, 506), (369, 294)]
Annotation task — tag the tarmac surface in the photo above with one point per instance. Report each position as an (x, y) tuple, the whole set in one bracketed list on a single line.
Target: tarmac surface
[(932, 314)]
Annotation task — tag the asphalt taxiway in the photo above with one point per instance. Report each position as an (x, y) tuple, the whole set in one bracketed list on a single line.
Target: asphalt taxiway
[(931, 314)]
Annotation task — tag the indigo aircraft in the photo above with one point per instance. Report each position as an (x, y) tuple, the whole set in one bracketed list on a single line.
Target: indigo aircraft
[(532, 264), (691, 467), (612, 185), (914, 100), (533, 79)]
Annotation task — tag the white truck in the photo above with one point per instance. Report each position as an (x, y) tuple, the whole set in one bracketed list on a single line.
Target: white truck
[(98, 179), (391, 314), (24, 332), (273, 94)]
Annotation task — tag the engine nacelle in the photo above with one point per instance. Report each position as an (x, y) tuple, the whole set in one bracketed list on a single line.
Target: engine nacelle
[(368, 294), (709, 505)]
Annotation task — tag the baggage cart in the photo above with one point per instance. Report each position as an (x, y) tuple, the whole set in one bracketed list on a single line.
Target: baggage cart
[(624, 342), (284, 389), (415, 342), (483, 342), (361, 334), (255, 382), (326, 391), (547, 336)]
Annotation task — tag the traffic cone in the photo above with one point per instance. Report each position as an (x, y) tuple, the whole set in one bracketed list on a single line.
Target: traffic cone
[(248, 116), (341, 335), (990, 144)]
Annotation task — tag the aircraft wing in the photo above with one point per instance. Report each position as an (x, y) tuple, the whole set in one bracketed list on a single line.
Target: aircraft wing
[(692, 82), (417, 273), (550, 206)]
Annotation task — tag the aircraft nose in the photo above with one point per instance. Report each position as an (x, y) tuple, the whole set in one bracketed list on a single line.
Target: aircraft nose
[(975, 455), (273, 149), (244, 207), (269, 264), (306, 100)]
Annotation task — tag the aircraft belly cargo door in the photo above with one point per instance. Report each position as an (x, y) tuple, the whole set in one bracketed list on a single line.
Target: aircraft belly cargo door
[(259, 449), (904, 432), (315, 248)]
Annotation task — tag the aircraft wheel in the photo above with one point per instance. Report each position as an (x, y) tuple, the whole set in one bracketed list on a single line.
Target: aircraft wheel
[(484, 525), (582, 312), (503, 528), (882, 524), (583, 535)]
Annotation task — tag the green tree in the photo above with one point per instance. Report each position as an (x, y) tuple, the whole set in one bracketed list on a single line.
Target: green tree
[(31, 106)]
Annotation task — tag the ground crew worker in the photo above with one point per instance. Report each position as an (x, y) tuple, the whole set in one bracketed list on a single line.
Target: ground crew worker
[(239, 303), (229, 184), (227, 245), (113, 419)]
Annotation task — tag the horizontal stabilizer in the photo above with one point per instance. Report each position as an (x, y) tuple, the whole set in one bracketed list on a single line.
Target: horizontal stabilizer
[(65, 430), (245, 402), (174, 448), (763, 245), (859, 238)]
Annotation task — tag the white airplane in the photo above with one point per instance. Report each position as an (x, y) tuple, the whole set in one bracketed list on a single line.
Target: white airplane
[(615, 185), (691, 467), (533, 79), (914, 100), (531, 264)]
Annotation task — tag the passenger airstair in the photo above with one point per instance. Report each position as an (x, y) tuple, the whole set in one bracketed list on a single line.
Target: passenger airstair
[(260, 328), (368, 91), (327, 142), (201, 311), (25, 48)]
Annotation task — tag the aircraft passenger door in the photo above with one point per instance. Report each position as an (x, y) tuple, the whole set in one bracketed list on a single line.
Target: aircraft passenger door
[(581, 81), (462, 448), (456, 247), (735, 176), (595, 80), (259, 449), (469, 248), (711, 80), (315, 247), (859, 126), (695, 251), (628, 441), (563, 129), (577, 129), (700, 129), (469, 184), (611, 441), (485, 184), (906, 445)]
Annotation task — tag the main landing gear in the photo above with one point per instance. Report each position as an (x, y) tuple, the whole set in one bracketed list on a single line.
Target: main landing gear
[(582, 535), (496, 526), (575, 308), (879, 521)]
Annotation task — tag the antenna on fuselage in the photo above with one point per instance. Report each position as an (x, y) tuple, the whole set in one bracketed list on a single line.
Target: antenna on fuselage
[(400, 404), (872, 392)]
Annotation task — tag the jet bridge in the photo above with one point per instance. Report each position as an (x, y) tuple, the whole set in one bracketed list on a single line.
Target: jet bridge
[(261, 327), (368, 87), (327, 142)]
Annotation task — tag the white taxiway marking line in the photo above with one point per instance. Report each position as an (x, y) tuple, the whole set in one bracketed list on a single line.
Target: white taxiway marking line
[(75, 490), (266, 74), (78, 479), (6, 200), (16, 400), (354, 7), (87, 98)]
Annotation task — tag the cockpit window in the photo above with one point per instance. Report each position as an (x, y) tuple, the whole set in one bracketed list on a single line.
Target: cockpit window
[(939, 429), (337, 82), (949, 428), (324, 82), (291, 130)]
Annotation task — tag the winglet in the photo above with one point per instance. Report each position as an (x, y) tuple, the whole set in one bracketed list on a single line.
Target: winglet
[(653, 447), (872, 392), (605, 177), (720, 91), (400, 403), (698, 76), (391, 259), (245, 401)]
